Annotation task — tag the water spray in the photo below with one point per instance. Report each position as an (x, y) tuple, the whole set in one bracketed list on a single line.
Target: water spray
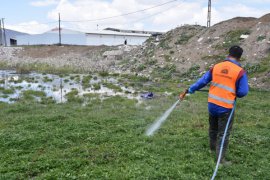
[(159, 121)]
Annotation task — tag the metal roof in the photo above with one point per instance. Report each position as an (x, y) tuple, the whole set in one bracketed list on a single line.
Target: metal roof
[(106, 32)]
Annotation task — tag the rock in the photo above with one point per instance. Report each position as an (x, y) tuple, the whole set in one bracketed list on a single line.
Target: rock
[(254, 79)]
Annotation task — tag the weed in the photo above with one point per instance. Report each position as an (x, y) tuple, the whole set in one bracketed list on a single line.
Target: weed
[(171, 52), (107, 139), (66, 80), (167, 58), (96, 86), (86, 81), (192, 73), (232, 38), (151, 61), (31, 95), (7, 91), (72, 96), (47, 79), (104, 73), (183, 39), (165, 72), (261, 38), (113, 86), (141, 67)]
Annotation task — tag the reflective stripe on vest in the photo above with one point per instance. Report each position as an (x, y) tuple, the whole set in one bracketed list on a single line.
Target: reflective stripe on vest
[(220, 99), (223, 87)]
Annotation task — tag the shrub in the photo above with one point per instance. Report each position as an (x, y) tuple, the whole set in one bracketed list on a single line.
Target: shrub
[(183, 39), (141, 67), (261, 38)]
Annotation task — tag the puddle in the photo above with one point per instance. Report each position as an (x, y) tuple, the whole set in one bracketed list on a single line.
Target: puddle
[(57, 87)]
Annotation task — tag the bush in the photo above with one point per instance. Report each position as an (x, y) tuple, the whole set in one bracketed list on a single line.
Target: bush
[(233, 38), (96, 86), (261, 38), (165, 72), (141, 67), (86, 81), (72, 96), (183, 39), (151, 62), (193, 72), (167, 58), (104, 73)]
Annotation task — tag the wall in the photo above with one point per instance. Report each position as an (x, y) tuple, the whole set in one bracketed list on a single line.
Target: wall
[(51, 38), (79, 39), (95, 39)]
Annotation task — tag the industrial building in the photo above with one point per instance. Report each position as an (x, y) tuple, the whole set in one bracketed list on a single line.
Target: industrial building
[(8, 37), (94, 38)]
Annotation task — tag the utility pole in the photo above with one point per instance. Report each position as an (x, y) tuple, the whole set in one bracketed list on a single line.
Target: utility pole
[(1, 42), (59, 29), (209, 14), (4, 30)]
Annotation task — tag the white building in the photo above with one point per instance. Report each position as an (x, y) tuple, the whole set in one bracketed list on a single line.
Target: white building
[(52, 37), (111, 38), (9, 37), (94, 38)]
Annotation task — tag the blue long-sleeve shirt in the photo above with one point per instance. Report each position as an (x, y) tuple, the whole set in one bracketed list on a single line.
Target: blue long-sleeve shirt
[(241, 89)]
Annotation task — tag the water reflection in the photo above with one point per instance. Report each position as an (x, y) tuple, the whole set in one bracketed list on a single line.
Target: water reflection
[(57, 87)]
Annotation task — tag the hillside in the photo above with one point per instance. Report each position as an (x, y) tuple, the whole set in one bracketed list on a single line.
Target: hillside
[(189, 50)]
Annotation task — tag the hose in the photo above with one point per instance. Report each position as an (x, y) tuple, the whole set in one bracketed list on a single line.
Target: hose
[(222, 143)]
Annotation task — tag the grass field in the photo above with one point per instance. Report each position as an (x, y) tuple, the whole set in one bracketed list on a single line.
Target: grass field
[(106, 140)]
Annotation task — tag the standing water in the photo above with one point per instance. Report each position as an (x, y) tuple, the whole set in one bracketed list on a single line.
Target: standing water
[(160, 120)]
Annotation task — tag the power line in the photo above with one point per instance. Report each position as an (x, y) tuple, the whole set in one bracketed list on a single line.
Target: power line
[(160, 12), (134, 12)]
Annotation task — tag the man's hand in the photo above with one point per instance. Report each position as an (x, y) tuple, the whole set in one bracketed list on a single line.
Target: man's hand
[(182, 95)]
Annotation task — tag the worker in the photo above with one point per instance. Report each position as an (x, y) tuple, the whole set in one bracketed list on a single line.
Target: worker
[(228, 82)]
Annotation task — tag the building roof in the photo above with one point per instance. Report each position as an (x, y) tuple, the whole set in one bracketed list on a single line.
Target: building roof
[(12, 34), (107, 32), (63, 31), (133, 31)]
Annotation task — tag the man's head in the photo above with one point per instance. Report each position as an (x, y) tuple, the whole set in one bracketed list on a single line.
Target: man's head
[(236, 52)]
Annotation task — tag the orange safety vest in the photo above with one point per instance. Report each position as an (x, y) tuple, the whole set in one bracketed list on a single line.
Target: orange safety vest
[(222, 90)]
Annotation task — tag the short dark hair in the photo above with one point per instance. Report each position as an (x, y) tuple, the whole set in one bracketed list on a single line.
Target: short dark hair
[(236, 52)]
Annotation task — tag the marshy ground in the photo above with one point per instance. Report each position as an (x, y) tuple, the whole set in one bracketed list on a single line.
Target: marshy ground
[(105, 137)]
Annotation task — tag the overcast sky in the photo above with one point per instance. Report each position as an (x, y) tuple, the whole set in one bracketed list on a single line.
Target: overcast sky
[(33, 16)]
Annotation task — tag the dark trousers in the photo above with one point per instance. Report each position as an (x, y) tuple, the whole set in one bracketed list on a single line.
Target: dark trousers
[(217, 125)]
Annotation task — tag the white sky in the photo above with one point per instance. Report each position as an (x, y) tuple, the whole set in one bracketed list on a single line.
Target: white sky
[(33, 13)]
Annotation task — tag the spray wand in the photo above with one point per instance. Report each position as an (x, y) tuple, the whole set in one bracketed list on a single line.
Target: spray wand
[(183, 95)]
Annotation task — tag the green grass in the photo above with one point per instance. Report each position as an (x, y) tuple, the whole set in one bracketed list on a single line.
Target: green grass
[(232, 38), (86, 81), (261, 38), (165, 72), (106, 140), (112, 86), (41, 68), (183, 39), (96, 86), (259, 68), (7, 91)]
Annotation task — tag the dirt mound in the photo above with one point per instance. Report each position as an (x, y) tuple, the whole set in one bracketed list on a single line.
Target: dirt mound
[(188, 51), (265, 18)]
